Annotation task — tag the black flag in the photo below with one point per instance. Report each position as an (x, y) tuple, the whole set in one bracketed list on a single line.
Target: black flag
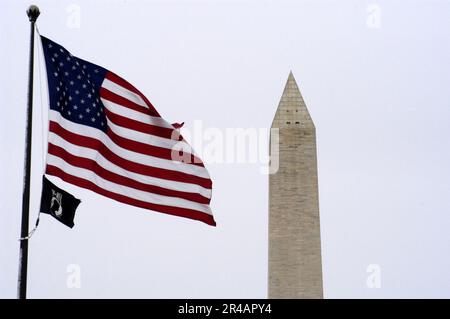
[(58, 203)]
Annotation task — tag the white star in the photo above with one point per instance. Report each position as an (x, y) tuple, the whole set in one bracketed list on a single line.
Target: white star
[(58, 104), (88, 110), (79, 77), (89, 95), (75, 107), (66, 73), (82, 101), (68, 58), (57, 88), (98, 114), (84, 66), (60, 49), (70, 113), (102, 123), (71, 82), (84, 86), (93, 104), (70, 98), (80, 116), (53, 60), (96, 70), (61, 64), (55, 55), (56, 73), (50, 45), (93, 119), (77, 92), (74, 67)]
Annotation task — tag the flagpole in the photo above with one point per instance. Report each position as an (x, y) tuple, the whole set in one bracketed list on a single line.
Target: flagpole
[(33, 14)]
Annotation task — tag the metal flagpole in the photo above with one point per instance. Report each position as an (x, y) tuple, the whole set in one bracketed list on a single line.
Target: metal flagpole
[(33, 14)]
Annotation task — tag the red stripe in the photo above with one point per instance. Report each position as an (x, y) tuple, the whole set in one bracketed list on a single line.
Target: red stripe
[(115, 98), (143, 127), (139, 126), (161, 152), (177, 211), (119, 179), (120, 81), (164, 132), (97, 145)]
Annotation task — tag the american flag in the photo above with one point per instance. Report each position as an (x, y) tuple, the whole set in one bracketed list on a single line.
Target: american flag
[(106, 136)]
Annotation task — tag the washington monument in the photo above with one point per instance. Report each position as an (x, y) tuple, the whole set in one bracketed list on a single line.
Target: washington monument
[(295, 262)]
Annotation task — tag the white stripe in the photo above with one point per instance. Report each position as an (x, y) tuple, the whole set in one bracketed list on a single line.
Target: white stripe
[(123, 92), (135, 115), (88, 153), (149, 139), (136, 157), (124, 190)]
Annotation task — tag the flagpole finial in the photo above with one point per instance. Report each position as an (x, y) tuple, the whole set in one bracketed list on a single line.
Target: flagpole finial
[(33, 13)]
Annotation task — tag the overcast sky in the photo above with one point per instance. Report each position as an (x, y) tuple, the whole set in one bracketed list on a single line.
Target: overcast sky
[(375, 76)]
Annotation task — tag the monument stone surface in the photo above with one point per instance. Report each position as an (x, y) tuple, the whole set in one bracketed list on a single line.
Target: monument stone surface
[(295, 262)]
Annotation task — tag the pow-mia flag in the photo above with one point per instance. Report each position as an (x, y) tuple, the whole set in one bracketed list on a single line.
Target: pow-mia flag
[(58, 203)]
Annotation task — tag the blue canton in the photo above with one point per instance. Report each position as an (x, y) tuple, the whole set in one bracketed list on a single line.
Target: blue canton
[(74, 86)]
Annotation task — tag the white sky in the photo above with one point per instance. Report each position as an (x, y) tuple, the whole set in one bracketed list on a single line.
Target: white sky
[(377, 87)]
